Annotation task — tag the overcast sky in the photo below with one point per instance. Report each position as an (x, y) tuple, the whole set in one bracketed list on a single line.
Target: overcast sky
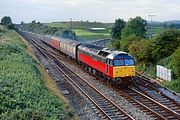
[(92, 10)]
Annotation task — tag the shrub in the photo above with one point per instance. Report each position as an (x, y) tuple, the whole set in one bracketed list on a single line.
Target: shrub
[(176, 62), (141, 50), (115, 44), (125, 42)]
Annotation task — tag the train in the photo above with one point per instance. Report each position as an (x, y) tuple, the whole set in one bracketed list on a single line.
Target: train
[(111, 65)]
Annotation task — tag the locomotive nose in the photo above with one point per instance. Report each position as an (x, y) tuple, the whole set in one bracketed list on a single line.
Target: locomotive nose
[(124, 71)]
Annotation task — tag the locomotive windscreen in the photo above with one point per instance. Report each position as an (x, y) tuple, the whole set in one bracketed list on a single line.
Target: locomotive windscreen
[(123, 60)]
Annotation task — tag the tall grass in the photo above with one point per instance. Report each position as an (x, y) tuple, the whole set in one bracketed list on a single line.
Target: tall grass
[(173, 85), (23, 94)]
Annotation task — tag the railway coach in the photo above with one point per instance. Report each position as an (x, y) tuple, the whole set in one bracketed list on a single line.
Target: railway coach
[(47, 39), (55, 42), (69, 47), (66, 46)]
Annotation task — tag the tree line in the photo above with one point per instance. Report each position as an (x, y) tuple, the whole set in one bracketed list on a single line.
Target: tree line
[(41, 28), (164, 48), (38, 27)]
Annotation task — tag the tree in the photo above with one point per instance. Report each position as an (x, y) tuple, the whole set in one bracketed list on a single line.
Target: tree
[(126, 41), (117, 28), (6, 21), (22, 23), (165, 25), (136, 26), (176, 62), (69, 34), (115, 44), (166, 43), (141, 50), (33, 22)]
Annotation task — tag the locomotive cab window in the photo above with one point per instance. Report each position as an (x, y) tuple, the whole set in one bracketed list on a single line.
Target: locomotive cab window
[(118, 62), (129, 62), (123, 62)]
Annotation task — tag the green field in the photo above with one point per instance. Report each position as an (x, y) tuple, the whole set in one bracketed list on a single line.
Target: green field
[(23, 91), (155, 30), (91, 35), (82, 29)]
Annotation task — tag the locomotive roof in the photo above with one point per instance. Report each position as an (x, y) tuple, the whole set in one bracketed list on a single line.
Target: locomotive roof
[(118, 54), (105, 52)]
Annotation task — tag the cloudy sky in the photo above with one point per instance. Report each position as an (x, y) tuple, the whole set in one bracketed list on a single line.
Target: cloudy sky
[(92, 10)]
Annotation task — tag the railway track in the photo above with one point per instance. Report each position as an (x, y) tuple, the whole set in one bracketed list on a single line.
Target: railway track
[(143, 80), (150, 90), (157, 108), (106, 108), (157, 104)]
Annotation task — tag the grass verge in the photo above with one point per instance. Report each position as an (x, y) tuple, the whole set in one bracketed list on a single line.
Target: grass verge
[(26, 90), (174, 84)]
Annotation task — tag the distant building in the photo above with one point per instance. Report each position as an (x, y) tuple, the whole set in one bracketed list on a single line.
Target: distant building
[(96, 29)]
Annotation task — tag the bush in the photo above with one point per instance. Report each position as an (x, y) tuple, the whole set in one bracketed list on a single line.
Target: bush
[(141, 50), (115, 44), (125, 42), (176, 62)]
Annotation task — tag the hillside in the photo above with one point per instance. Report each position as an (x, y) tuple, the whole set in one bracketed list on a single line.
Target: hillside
[(78, 25), (82, 31)]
